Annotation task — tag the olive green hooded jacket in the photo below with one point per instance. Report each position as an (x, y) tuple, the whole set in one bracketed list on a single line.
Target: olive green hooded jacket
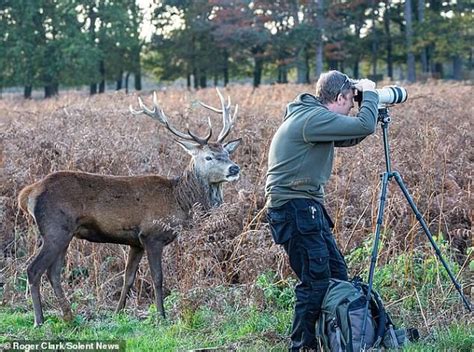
[(302, 149)]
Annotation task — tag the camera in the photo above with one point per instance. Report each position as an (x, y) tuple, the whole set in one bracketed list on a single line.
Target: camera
[(388, 95)]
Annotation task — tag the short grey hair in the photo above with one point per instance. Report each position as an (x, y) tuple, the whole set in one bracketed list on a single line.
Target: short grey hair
[(331, 84)]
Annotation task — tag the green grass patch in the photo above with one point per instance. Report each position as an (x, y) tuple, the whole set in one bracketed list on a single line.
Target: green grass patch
[(247, 328), (230, 319)]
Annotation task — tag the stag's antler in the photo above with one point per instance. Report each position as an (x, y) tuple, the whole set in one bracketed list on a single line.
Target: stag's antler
[(158, 114), (227, 119)]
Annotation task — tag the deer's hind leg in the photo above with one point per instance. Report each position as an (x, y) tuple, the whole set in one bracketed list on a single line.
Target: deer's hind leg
[(56, 233), (134, 256), (46, 257), (54, 276)]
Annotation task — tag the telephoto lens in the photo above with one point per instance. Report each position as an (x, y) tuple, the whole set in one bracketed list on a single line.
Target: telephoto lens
[(391, 95)]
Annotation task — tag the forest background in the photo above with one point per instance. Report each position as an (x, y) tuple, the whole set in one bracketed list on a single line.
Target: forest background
[(228, 285), (53, 44)]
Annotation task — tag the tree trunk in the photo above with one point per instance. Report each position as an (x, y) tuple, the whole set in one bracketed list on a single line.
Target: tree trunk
[(127, 77), (388, 35), (438, 70), (27, 92), (50, 88), (102, 76), (203, 79), (282, 73), (470, 61), (257, 52), (320, 24), (49, 91), (138, 69), (302, 70), (457, 67), (195, 78), (355, 68), (92, 17), (257, 71), (411, 75), (374, 45), (188, 80), (119, 83), (93, 89), (138, 79), (423, 54), (225, 70), (306, 62)]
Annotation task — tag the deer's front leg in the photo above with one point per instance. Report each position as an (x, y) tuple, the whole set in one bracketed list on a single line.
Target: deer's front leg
[(134, 256), (154, 251)]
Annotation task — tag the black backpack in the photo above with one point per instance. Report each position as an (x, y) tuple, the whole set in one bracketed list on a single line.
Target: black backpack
[(342, 313)]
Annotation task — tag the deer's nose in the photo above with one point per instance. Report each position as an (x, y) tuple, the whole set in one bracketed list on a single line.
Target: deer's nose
[(234, 170)]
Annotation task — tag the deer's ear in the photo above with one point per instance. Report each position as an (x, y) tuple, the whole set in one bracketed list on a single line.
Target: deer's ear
[(232, 145), (189, 147)]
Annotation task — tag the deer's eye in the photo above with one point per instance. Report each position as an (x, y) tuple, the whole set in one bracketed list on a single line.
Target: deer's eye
[(208, 158)]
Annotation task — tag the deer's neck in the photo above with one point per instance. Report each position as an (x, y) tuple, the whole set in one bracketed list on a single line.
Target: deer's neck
[(191, 189)]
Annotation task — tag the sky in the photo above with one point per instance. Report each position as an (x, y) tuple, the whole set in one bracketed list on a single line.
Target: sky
[(147, 28)]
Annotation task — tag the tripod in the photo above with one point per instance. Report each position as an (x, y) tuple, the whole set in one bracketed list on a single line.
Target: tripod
[(384, 119)]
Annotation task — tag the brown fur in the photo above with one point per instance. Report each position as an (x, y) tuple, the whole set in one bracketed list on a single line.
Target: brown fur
[(143, 212), (140, 211)]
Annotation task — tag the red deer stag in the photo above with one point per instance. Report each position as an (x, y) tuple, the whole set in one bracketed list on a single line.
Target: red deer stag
[(138, 211)]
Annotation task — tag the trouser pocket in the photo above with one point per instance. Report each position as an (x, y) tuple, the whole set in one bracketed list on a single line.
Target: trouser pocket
[(318, 264), (308, 216), (281, 225)]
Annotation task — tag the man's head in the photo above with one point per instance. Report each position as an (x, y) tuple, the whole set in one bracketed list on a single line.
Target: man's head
[(335, 90)]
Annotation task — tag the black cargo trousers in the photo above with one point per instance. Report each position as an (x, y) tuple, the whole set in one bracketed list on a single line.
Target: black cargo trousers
[(304, 229)]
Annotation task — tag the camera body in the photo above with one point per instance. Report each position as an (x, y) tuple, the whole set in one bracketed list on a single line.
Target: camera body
[(388, 95)]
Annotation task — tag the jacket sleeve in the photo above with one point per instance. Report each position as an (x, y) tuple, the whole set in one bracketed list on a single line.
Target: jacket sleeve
[(348, 142), (322, 125)]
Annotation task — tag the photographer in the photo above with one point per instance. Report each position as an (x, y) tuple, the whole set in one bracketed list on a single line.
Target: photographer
[(299, 165)]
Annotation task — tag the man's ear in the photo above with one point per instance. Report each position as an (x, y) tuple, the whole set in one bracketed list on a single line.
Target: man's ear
[(232, 145)]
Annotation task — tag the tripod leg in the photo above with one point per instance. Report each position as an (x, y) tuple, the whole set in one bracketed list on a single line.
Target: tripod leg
[(385, 178), (422, 222)]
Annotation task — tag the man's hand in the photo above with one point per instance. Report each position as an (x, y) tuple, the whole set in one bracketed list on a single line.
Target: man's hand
[(365, 85)]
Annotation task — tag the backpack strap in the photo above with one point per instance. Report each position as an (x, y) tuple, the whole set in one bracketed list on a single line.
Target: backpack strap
[(383, 317), (322, 328), (394, 336), (382, 321)]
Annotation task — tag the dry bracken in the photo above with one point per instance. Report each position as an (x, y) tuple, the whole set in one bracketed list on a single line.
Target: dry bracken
[(431, 147)]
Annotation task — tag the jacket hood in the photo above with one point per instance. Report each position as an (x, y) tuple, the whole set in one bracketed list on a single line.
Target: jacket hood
[(302, 102)]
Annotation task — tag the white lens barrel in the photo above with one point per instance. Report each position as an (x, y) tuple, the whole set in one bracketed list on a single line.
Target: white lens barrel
[(392, 95)]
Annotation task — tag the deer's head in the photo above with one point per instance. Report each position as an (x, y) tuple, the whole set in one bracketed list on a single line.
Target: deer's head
[(209, 160)]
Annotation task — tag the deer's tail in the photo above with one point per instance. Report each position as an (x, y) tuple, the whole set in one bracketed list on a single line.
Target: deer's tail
[(25, 202)]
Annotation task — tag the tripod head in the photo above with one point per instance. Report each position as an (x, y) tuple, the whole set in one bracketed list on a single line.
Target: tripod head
[(384, 116)]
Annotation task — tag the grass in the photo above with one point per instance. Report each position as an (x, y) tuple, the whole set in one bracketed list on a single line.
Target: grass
[(262, 323), (242, 329), (246, 329)]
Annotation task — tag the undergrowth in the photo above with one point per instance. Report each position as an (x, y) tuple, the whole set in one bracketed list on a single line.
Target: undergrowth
[(222, 293), (258, 317)]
